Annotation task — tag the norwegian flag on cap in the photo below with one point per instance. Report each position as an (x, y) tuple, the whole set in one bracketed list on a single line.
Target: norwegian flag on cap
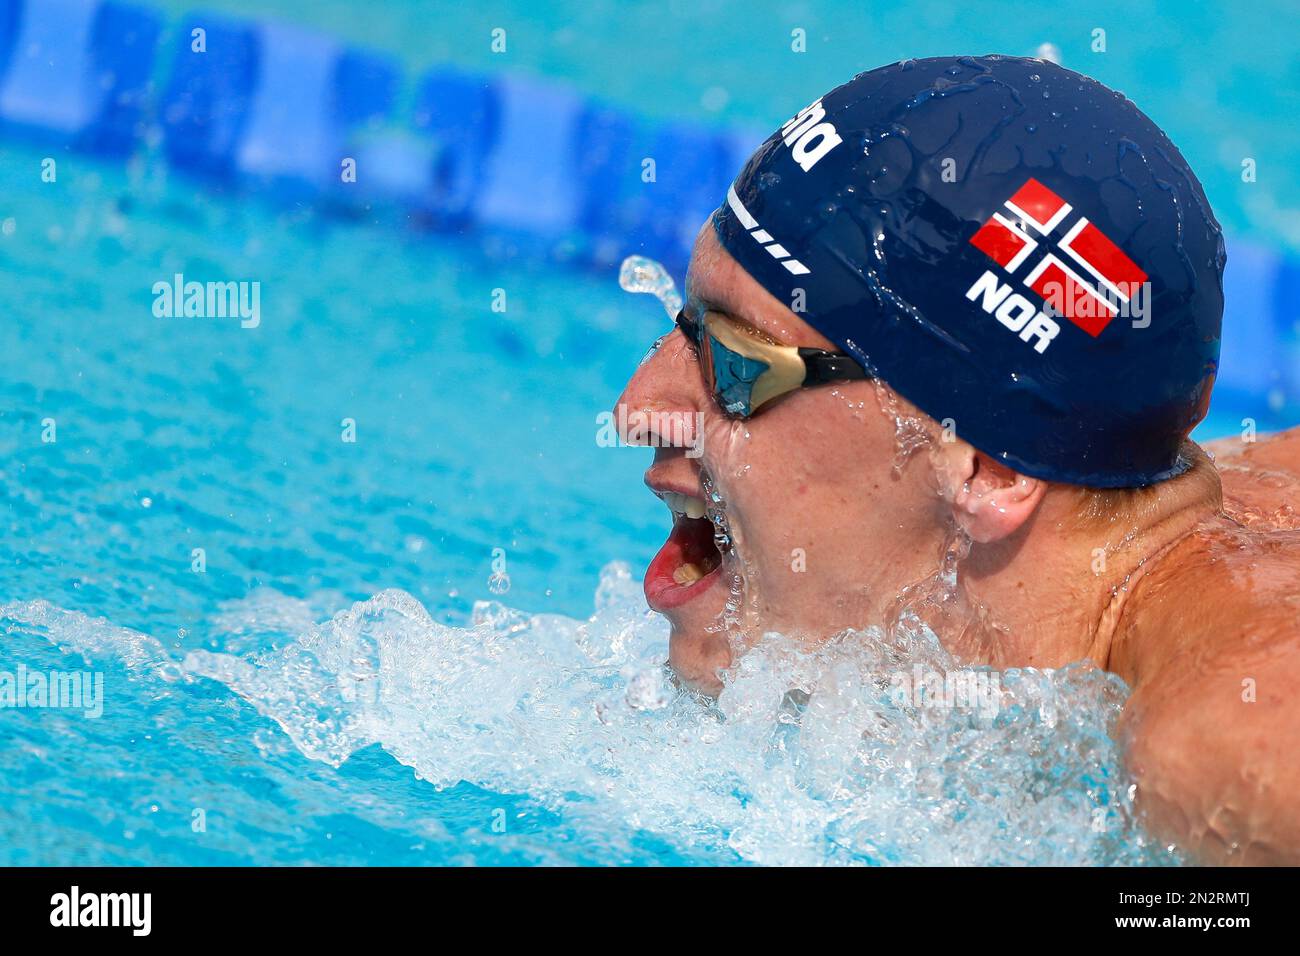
[(1082, 275)]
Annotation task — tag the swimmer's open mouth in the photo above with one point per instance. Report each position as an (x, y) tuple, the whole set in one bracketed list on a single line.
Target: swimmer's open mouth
[(689, 561)]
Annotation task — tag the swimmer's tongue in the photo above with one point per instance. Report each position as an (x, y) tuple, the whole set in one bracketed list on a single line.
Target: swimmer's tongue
[(693, 538)]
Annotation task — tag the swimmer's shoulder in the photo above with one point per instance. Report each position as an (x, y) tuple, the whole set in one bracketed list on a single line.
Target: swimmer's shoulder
[(1234, 581), (1211, 650), (1261, 479), (1276, 450), (1227, 591)]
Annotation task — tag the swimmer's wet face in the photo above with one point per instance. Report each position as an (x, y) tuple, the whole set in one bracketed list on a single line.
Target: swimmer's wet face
[(802, 487), (849, 507), (931, 283)]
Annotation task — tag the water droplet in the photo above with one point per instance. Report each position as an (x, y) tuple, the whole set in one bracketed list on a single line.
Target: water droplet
[(643, 274)]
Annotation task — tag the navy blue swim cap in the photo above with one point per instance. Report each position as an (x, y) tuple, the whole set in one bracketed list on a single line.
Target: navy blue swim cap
[(1009, 245)]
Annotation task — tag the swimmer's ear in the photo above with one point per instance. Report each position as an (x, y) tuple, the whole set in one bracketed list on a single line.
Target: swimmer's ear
[(989, 500)]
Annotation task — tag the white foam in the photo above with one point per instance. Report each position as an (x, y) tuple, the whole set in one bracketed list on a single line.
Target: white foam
[(809, 756)]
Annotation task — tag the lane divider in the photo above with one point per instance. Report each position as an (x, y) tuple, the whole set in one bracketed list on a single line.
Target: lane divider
[(282, 110)]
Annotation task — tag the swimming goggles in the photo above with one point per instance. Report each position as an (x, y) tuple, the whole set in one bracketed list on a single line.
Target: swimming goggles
[(745, 368)]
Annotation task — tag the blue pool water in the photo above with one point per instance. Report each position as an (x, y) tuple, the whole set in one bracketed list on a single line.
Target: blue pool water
[(341, 684)]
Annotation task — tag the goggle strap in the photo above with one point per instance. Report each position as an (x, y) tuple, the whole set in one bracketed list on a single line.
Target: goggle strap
[(822, 366), (690, 327)]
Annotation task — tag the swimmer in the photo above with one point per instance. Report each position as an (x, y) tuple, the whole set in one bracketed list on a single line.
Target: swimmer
[(961, 315)]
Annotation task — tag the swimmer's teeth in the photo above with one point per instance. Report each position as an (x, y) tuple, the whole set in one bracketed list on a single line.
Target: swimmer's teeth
[(687, 574), (684, 504)]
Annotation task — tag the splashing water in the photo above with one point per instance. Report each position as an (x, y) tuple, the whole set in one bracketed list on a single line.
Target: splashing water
[(732, 616), (911, 432), (810, 756), (642, 274)]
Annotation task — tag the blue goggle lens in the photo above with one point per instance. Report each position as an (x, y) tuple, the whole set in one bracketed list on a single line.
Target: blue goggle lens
[(733, 377)]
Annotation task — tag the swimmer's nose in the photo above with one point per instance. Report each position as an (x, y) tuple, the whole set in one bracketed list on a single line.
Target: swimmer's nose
[(662, 403)]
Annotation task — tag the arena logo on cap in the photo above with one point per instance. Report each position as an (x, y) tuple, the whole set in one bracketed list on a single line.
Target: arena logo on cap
[(1114, 283), (763, 237), (808, 137)]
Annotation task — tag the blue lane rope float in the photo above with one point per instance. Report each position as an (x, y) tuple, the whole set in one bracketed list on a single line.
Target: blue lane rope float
[(272, 104), (76, 73), (278, 109)]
